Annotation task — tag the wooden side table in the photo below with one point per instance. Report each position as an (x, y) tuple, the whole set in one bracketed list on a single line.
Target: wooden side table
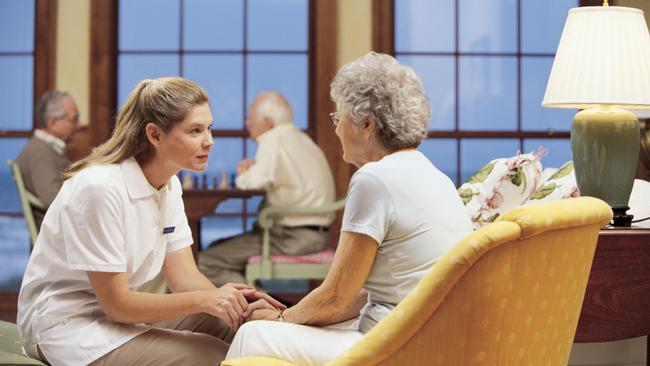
[(617, 300)]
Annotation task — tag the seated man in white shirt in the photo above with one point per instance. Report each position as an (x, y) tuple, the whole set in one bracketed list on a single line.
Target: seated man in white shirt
[(43, 159), (293, 171)]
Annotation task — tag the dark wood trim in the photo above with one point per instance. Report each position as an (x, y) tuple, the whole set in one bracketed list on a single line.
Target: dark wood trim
[(383, 25), (5, 133), (323, 63), (103, 69), (45, 47), (8, 306), (594, 2), (501, 134), (323, 66)]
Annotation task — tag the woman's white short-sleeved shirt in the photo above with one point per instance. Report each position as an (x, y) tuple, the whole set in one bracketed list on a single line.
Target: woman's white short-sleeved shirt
[(106, 218), (412, 210)]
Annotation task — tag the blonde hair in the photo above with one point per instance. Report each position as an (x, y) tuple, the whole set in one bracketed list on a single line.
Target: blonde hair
[(163, 102)]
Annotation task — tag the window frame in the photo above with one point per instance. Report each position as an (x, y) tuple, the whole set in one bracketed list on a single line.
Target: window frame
[(321, 64), (44, 53), (383, 40)]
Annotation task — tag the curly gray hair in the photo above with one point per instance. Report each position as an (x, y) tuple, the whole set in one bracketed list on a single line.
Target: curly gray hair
[(377, 86)]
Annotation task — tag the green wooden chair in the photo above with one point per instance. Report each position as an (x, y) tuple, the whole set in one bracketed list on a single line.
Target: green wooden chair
[(11, 352), (270, 267), (27, 199)]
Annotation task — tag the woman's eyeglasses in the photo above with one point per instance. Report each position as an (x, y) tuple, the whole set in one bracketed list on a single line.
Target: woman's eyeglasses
[(335, 118)]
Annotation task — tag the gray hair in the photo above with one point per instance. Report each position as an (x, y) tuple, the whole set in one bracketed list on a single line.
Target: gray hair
[(275, 106), (376, 86), (49, 106)]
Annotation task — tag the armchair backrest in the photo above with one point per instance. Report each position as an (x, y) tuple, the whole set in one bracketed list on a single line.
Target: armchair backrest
[(510, 293), (28, 201)]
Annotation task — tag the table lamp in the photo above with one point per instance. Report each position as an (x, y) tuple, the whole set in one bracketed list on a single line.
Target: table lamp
[(602, 66)]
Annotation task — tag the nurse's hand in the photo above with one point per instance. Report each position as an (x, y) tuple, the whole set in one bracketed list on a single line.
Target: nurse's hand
[(252, 295), (258, 305), (227, 303)]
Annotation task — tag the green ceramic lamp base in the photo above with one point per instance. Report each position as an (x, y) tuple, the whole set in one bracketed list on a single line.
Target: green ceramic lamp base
[(605, 144)]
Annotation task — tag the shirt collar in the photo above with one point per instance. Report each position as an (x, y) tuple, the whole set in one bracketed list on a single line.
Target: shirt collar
[(56, 143), (136, 183), (276, 130)]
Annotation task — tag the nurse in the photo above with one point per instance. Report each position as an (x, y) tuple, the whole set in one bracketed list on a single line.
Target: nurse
[(116, 223)]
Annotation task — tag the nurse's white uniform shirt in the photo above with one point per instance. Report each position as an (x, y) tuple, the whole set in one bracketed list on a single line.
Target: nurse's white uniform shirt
[(106, 218)]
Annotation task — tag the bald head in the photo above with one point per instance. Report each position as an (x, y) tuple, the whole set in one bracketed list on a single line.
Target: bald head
[(268, 110), (272, 105)]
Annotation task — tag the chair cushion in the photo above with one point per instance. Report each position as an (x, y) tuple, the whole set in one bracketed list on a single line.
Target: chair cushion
[(562, 184), (10, 347), (322, 257), (500, 185)]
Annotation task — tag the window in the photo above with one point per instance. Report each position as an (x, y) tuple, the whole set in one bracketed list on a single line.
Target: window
[(234, 49), (484, 65), (26, 71)]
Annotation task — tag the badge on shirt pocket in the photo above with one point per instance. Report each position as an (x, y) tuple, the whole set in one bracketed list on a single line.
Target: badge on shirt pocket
[(168, 229)]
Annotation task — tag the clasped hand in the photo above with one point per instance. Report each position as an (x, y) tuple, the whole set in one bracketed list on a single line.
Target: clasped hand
[(235, 302)]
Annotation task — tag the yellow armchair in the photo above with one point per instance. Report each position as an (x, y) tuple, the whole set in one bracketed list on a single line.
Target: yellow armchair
[(510, 293)]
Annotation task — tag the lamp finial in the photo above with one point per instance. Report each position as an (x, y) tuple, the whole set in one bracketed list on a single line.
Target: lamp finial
[(605, 2)]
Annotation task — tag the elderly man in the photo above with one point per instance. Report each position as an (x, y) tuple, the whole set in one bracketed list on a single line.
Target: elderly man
[(43, 159), (294, 172)]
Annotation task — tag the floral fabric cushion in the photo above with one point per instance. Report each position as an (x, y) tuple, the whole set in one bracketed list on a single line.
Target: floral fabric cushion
[(500, 185), (562, 184)]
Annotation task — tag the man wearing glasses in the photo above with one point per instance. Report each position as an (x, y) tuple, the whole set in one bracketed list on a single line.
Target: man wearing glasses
[(43, 159), (293, 171)]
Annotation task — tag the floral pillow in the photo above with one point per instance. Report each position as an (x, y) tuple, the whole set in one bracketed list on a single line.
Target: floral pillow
[(562, 184), (500, 185)]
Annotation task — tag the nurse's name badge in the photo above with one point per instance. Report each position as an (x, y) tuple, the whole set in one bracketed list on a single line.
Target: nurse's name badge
[(168, 230)]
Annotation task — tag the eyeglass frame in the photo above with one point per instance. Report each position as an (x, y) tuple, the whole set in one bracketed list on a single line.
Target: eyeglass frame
[(334, 117)]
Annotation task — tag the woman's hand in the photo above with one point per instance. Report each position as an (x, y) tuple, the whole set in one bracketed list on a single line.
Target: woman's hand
[(258, 305), (227, 303), (264, 314), (254, 296)]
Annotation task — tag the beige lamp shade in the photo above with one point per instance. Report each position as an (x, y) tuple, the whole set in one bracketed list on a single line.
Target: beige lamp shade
[(603, 59)]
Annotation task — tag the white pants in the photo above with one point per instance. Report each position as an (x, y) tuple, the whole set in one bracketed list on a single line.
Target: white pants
[(300, 344)]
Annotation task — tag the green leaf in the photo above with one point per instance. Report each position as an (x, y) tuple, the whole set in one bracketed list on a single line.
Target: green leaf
[(466, 195), (517, 177), (543, 191), (564, 171), (491, 218), (480, 176)]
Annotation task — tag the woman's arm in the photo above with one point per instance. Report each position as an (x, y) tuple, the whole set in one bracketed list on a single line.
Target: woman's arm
[(340, 296), (122, 305), (182, 274)]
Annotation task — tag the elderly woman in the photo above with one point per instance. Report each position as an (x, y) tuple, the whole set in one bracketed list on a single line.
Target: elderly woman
[(401, 215)]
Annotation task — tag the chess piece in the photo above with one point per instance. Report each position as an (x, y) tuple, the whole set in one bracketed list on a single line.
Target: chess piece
[(233, 184), (195, 182), (187, 181), (224, 180), (204, 182)]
